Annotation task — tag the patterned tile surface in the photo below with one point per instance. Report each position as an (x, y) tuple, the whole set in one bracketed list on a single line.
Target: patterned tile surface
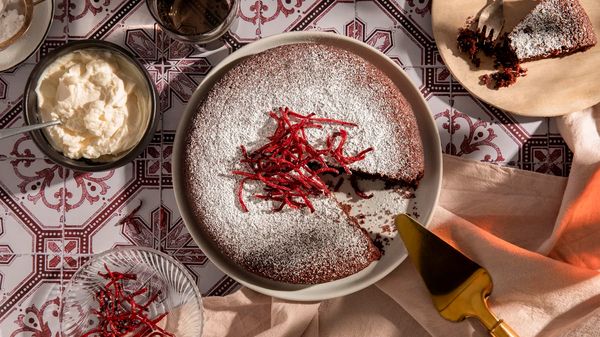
[(52, 219)]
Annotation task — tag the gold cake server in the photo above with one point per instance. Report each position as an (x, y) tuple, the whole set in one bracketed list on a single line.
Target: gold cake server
[(458, 286)]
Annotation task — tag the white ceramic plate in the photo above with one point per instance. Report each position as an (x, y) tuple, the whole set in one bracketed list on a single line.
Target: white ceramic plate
[(380, 209), (29, 43)]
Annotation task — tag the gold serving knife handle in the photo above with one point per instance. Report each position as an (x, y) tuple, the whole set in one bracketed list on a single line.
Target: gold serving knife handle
[(472, 302), (496, 327), (503, 330)]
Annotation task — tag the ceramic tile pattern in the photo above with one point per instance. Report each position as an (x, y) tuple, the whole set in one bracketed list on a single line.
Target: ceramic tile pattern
[(53, 219)]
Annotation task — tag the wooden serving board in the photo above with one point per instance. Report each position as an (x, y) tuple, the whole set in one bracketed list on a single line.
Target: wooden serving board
[(552, 87)]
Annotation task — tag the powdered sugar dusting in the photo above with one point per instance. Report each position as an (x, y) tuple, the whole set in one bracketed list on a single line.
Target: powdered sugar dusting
[(295, 246), (554, 26)]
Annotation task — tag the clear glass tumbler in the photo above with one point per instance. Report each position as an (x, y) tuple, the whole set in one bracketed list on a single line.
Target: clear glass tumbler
[(194, 21)]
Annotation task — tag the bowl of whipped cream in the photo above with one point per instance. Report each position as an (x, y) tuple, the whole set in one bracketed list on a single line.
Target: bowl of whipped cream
[(104, 99)]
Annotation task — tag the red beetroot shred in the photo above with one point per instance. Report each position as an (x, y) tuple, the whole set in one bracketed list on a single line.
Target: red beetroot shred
[(120, 314), (288, 166)]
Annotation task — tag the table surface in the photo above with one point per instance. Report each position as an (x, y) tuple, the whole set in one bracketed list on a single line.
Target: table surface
[(53, 219)]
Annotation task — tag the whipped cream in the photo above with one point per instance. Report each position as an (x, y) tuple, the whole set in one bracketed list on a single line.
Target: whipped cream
[(10, 20), (103, 109)]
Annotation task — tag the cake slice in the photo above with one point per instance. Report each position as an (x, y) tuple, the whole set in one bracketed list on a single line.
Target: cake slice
[(553, 28)]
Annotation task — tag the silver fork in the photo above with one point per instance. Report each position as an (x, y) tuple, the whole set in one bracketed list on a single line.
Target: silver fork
[(491, 19)]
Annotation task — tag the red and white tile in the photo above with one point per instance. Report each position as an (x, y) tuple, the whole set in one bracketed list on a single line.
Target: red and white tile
[(19, 147), (88, 16), (417, 11), (12, 86), (278, 16), (478, 134), (15, 235), (113, 208), (378, 28), (59, 28), (246, 26), (384, 25), (29, 296), (441, 111), (34, 191)]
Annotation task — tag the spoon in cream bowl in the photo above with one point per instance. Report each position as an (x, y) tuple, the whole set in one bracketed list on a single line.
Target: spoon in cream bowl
[(5, 133)]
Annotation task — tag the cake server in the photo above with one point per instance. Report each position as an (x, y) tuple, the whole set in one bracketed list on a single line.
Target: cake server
[(4, 133), (458, 286)]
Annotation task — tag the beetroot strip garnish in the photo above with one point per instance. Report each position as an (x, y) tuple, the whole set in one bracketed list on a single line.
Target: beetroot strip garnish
[(119, 312), (288, 166), (239, 194)]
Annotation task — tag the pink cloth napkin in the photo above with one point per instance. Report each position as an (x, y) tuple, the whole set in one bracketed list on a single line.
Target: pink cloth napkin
[(538, 236)]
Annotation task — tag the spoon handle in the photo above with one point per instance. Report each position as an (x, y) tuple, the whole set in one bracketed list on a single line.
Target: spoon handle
[(4, 133)]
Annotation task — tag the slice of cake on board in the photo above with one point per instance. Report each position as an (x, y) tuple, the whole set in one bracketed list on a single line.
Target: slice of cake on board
[(553, 28)]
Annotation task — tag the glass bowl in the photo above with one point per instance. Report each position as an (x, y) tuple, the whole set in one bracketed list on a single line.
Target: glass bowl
[(159, 273)]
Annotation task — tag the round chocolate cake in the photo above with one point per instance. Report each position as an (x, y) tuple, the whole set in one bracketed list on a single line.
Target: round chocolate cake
[(295, 246)]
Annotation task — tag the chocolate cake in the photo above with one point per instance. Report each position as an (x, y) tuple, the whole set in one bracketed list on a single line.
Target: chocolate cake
[(295, 246), (553, 28)]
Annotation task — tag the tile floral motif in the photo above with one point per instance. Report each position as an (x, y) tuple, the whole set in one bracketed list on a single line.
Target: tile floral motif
[(20, 148), (485, 133), (379, 39), (58, 30), (115, 208), (37, 321), (547, 154), (277, 16), (34, 193), (170, 63), (29, 296), (474, 138), (415, 44)]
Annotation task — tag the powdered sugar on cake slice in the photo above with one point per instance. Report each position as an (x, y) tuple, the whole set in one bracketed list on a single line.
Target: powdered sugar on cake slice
[(295, 246), (554, 27)]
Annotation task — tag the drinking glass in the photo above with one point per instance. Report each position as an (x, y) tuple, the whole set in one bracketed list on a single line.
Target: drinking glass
[(194, 21)]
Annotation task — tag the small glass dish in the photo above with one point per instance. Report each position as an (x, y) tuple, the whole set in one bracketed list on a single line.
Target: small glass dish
[(177, 292), (217, 26)]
